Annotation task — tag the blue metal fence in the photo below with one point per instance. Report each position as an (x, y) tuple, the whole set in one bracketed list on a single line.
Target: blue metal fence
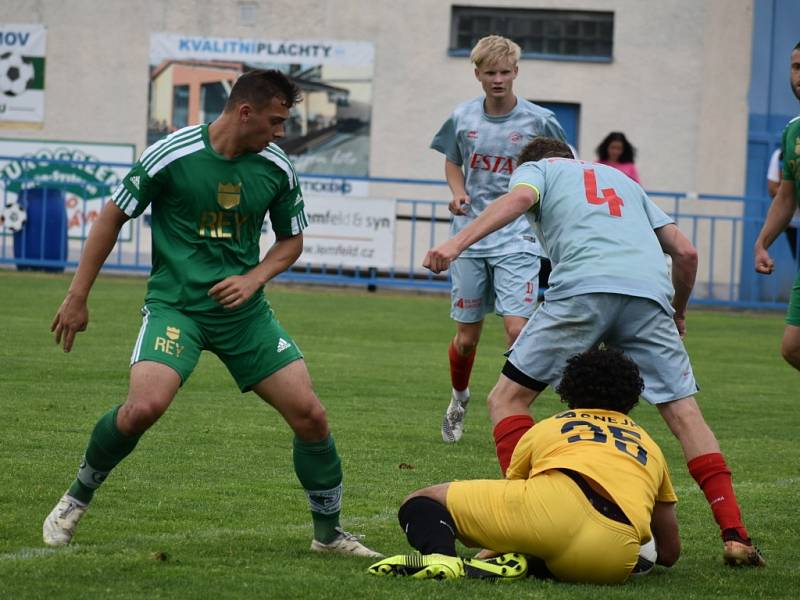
[(717, 225)]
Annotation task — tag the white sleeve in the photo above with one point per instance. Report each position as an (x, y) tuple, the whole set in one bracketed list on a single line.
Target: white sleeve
[(773, 170)]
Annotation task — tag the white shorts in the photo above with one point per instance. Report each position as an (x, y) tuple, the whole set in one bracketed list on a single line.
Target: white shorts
[(639, 327), (506, 284)]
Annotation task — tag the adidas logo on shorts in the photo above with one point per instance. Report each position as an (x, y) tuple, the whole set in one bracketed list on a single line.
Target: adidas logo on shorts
[(283, 345)]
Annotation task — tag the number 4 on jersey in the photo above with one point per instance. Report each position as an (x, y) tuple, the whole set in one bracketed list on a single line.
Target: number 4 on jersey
[(609, 194)]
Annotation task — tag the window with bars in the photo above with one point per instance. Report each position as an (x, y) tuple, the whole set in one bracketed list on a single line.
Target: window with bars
[(564, 34)]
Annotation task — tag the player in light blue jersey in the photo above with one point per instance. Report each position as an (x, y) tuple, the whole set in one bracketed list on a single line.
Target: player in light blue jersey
[(480, 141), (609, 285)]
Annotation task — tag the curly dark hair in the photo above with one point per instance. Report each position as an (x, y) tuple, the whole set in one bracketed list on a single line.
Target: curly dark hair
[(628, 151), (544, 147), (601, 378)]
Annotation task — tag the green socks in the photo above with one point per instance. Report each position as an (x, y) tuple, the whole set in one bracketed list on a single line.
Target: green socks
[(319, 470), (107, 447), (317, 465)]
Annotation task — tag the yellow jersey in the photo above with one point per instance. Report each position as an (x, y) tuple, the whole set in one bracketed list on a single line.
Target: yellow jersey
[(606, 446)]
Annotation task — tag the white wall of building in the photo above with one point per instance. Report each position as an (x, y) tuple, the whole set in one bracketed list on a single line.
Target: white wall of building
[(677, 84)]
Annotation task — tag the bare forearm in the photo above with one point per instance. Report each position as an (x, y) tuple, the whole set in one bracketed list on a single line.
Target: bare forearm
[(779, 215), (664, 526), (684, 272), (684, 264), (455, 178), (498, 214), (72, 316), (101, 240), (281, 256)]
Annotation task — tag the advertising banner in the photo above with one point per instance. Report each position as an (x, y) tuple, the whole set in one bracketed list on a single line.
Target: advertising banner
[(22, 60), (327, 186), (346, 231), (328, 133), (75, 168)]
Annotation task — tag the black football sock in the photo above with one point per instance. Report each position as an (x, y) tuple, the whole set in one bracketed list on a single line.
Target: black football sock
[(428, 526)]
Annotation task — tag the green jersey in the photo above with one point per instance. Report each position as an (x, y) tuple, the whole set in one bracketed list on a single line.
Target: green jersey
[(790, 144), (207, 214)]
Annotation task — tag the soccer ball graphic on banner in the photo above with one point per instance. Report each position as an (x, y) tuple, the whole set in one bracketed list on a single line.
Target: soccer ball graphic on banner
[(13, 217), (15, 74)]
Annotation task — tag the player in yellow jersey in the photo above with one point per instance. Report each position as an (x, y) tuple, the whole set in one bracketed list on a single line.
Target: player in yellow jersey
[(584, 489)]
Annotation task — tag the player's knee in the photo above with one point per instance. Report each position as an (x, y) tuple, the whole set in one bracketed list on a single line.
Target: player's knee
[(682, 416), (496, 399), (512, 333), (318, 419), (136, 418), (790, 350), (415, 494), (505, 393), (434, 493), (792, 357), (466, 344), (492, 398), (311, 424)]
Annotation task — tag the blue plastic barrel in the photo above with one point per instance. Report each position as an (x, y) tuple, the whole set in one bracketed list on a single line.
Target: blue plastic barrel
[(42, 243)]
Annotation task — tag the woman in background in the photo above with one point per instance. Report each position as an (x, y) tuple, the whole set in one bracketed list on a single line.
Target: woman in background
[(616, 151)]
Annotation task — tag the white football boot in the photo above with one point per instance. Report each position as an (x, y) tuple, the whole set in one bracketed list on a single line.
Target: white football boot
[(345, 543), (60, 524), (453, 422)]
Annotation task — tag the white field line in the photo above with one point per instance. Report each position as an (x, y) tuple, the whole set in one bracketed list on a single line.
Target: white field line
[(353, 524)]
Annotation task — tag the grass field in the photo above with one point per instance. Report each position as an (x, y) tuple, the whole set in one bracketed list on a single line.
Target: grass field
[(208, 504)]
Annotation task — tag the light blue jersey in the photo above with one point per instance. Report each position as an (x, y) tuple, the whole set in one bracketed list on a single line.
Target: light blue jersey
[(597, 225), (486, 147)]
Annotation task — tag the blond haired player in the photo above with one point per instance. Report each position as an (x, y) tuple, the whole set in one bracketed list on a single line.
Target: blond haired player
[(480, 141), (584, 489)]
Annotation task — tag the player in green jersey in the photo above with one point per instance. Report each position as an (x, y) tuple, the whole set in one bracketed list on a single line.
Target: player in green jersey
[(210, 188), (780, 213)]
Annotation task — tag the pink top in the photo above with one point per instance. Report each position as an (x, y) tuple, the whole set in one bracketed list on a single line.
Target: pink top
[(628, 168)]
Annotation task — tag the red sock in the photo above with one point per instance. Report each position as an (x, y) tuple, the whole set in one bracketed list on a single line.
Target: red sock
[(714, 478), (506, 435), (460, 367)]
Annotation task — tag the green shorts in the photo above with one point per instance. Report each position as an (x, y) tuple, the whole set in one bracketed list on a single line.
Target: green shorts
[(253, 346), (793, 314)]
